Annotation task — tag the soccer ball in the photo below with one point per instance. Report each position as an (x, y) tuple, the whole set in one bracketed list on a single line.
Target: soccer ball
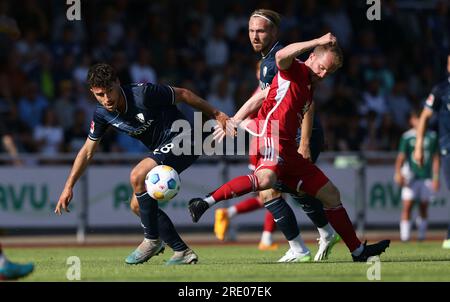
[(162, 183)]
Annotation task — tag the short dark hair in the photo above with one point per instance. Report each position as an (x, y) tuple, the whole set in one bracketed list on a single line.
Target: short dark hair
[(101, 75)]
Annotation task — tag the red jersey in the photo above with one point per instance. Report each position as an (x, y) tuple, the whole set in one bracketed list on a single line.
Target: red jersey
[(289, 98)]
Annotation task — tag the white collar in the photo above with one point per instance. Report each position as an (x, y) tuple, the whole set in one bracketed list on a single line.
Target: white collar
[(270, 50)]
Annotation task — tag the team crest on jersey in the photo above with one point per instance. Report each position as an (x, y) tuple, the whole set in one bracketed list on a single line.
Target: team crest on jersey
[(430, 100), (264, 70), (140, 117), (91, 130)]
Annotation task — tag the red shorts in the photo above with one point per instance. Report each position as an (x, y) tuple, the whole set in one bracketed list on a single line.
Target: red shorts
[(291, 168)]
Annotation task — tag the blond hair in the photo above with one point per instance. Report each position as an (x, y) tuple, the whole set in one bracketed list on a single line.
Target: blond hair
[(335, 50), (273, 17)]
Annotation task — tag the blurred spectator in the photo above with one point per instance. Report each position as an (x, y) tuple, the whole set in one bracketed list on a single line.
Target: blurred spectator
[(65, 104), (32, 106), (216, 50), (141, 71), (221, 98), (337, 21), (373, 101), (235, 20), (49, 136), (67, 45), (76, 135), (398, 105)]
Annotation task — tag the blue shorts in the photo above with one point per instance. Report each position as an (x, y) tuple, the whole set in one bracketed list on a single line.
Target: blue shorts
[(165, 155)]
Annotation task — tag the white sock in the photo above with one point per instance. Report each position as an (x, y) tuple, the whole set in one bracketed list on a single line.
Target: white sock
[(405, 230), (231, 211), (2, 260), (358, 250), (421, 228), (326, 231), (298, 245), (266, 238), (210, 200)]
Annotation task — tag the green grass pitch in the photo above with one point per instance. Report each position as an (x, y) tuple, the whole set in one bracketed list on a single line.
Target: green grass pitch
[(403, 262)]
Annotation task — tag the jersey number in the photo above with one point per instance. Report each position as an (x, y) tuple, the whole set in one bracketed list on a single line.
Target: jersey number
[(164, 149)]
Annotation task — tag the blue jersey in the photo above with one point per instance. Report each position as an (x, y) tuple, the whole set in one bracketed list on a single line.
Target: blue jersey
[(149, 113), (268, 70), (439, 102)]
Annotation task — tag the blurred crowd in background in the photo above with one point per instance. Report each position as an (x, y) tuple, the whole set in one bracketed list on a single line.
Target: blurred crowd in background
[(389, 67)]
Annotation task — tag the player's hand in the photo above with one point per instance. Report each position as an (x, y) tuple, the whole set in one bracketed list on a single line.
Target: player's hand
[(399, 179), (435, 185), (418, 156), (326, 39), (305, 151), (64, 200)]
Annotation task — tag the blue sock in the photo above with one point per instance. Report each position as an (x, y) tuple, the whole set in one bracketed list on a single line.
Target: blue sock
[(148, 208), (168, 233), (284, 217), (313, 208)]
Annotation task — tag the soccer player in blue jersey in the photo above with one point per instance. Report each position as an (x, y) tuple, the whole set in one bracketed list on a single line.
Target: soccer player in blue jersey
[(438, 102), (146, 112), (263, 34)]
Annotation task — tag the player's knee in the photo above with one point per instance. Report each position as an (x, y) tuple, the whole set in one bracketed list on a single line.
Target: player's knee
[(268, 195), (329, 195), (266, 180), (137, 179)]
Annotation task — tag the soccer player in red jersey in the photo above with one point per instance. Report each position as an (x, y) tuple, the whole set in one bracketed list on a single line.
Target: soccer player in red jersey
[(263, 30), (281, 110)]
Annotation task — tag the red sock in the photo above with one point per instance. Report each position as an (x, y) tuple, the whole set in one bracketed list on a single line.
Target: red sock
[(269, 224), (236, 187), (340, 221), (248, 205)]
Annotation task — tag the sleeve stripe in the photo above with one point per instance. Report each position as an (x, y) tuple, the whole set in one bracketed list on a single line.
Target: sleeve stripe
[(173, 94), (93, 138)]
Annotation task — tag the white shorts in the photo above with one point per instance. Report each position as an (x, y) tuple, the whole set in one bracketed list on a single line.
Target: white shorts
[(419, 190)]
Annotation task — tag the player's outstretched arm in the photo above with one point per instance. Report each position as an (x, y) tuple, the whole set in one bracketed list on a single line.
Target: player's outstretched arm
[(286, 55), (83, 158), (421, 128), (193, 100), (251, 105), (306, 128)]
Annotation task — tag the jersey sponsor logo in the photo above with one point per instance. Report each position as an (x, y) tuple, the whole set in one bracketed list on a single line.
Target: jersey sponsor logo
[(263, 85), (140, 117), (264, 70), (430, 100), (91, 130), (141, 129), (117, 124)]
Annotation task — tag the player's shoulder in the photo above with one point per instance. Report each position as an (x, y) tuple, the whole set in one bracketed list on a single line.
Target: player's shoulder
[(441, 87), (277, 47), (409, 134)]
